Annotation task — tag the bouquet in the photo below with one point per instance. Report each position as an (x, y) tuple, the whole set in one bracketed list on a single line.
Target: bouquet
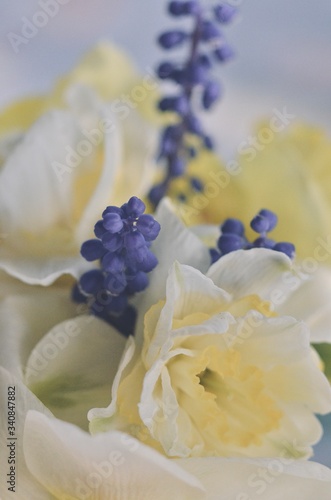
[(164, 316)]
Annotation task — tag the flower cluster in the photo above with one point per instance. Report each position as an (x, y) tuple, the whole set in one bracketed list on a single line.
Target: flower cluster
[(179, 141), (123, 237), (233, 236)]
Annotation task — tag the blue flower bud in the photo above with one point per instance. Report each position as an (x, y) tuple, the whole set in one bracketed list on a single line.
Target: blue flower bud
[(149, 262), (113, 263), (209, 31), (234, 226), (260, 224), (91, 282), (99, 229), (179, 104), (135, 207), (224, 13), (138, 282), (197, 184), (224, 53), (271, 216), (113, 222), (183, 8), (286, 248), (157, 193), (148, 227), (214, 255), (92, 250), (115, 283), (194, 125), (165, 70), (112, 242), (171, 39), (230, 242), (212, 92), (136, 248), (263, 242), (176, 166)]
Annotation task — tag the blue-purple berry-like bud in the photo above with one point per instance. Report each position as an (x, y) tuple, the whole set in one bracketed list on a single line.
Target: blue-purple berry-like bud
[(271, 216), (183, 8), (212, 92), (99, 229), (195, 73), (287, 248), (157, 193), (92, 250), (179, 104), (112, 210), (229, 242), (224, 53), (171, 39), (115, 283), (148, 227), (112, 242), (138, 283), (260, 224), (263, 242), (177, 166), (113, 263), (165, 70), (215, 255), (208, 142), (194, 125), (197, 184), (113, 222), (91, 282), (149, 262), (209, 31), (136, 248), (135, 207), (224, 13), (234, 226)]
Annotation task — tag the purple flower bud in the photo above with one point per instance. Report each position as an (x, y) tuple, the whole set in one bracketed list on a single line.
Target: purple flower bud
[(271, 216), (136, 248), (115, 283), (211, 93), (210, 31), (138, 282), (260, 224), (91, 282), (179, 104), (224, 53), (194, 125), (229, 243), (113, 222), (99, 229), (112, 210), (234, 226), (176, 166), (208, 142), (197, 184), (149, 262), (157, 193), (148, 227), (264, 243), (224, 13), (165, 70), (214, 254), (286, 248), (171, 39), (112, 242), (113, 263), (135, 207), (195, 73), (117, 304), (183, 8), (92, 250)]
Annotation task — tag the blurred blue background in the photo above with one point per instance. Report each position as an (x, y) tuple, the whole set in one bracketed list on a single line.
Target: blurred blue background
[(283, 59)]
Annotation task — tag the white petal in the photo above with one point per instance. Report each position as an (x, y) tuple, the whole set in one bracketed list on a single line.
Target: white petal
[(256, 271), (26, 485), (265, 479), (72, 368), (72, 464), (310, 301), (174, 243), (25, 319)]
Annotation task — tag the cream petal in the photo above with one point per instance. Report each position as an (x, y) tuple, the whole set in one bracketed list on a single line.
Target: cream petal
[(72, 368), (69, 463), (174, 243), (256, 271), (25, 319), (100, 417), (42, 271), (31, 196), (264, 479), (310, 302), (26, 485)]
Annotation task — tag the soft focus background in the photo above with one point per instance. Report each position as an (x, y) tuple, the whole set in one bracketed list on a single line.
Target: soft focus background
[(283, 59)]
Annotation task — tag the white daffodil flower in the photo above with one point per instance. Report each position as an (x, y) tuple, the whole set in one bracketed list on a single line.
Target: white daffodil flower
[(55, 460)]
